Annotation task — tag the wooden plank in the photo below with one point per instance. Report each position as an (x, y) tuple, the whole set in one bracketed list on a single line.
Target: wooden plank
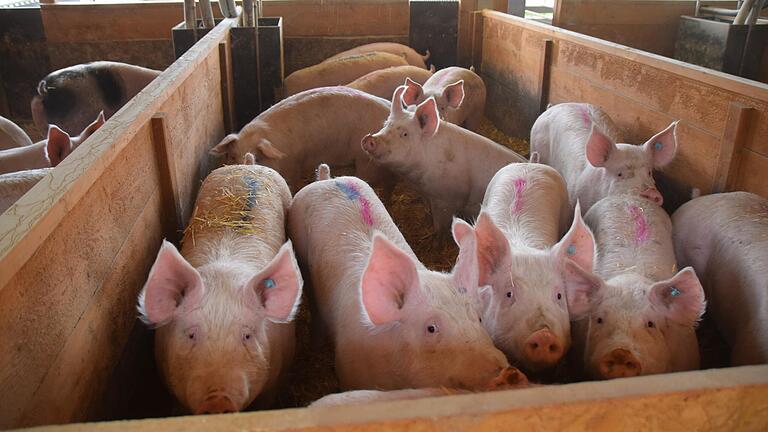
[(716, 400), (731, 145), (751, 176), (544, 74), (477, 41), (227, 94), (169, 183), (466, 8), (340, 17)]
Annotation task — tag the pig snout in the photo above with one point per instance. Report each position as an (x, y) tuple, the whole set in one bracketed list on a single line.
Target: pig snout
[(369, 144), (543, 348), (653, 194), (216, 404), (619, 363)]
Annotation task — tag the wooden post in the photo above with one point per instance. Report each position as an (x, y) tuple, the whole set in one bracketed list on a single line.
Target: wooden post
[(227, 97), (435, 27), (166, 162), (545, 64), (477, 40), (731, 144)]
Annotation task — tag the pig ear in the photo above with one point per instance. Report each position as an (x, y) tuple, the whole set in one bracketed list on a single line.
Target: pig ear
[(429, 120), (93, 127), (59, 145), (279, 286), (389, 281), (578, 244), (465, 272), (226, 146), (396, 108), (267, 149), (412, 92), (492, 247), (680, 298), (172, 284), (454, 94), (249, 159), (582, 288), (598, 148), (663, 146)]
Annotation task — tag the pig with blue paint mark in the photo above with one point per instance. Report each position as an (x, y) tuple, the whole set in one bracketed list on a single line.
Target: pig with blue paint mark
[(580, 141), (533, 281), (642, 311), (223, 308), (394, 323)]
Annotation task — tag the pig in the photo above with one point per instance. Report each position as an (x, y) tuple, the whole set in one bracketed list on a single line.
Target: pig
[(48, 152), (448, 165), (339, 71), (531, 280), (642, 311), (579, 141), (14, 185), (459, 93), (223, 308), (394, 324), (725, 238), (71, 97), (383, 82), (409, 54), (511, 378), (12, 136), (319, 125)]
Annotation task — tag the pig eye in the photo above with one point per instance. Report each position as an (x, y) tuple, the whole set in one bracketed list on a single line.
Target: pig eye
[(509, 294), (403, 134), (559, 296), (620, 174), (432, 328), (651, 324), (599, 320), (191, 334)]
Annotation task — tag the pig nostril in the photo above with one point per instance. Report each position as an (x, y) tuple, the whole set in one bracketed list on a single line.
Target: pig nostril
[(630, 365), (534, 345), (553, 348)]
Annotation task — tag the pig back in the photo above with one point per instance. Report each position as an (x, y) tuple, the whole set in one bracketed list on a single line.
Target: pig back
[(529, 202), (12, 136), (339, 71), (248, 201), (632, 234), (332, 223), (383, 82)]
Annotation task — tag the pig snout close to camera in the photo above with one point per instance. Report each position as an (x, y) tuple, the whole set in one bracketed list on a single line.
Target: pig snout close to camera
[(394, 323), (580, 142), (223, 307)]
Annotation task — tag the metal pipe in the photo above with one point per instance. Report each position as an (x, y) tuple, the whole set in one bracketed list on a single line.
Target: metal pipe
[(190, 16), (248, 17), (741, 17), (207, 13), (228, 9), (697, 8), (719, 11)]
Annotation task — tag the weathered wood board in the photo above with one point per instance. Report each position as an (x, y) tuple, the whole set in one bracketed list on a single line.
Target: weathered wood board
[(642, 92)]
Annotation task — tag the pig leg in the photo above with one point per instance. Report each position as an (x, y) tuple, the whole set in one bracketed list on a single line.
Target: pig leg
[(442, 215)]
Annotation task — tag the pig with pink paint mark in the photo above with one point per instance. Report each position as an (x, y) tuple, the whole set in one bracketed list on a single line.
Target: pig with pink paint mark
[(319, 125), (224, 307), (409, 54), (531, 280), (580, 142), (48, 152), (384, 82), (448, 165), (641, 320), (458, 92), (394, 323), (725, 238)]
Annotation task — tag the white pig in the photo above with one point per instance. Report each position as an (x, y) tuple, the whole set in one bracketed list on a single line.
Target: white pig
[(12, 136), (409, 54), (449, 165), (48, 152), (339, 71), (394, 323), (383, 82), (579, 141), (319, 125), (459, 93), (14, 185), (725, 238), (532, 281), (642, 319), (224, 307)]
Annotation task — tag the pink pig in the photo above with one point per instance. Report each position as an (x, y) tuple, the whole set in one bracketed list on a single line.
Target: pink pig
[(449, 165), (459, 93), (642, 319), (579, 141), (384, 82), (12, 136), (394, 323), (531, 280), (725, 238), (48, 152), (409, 54), (224, 307)]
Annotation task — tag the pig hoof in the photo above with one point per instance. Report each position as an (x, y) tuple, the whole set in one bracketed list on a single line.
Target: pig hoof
[(510, 377)]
